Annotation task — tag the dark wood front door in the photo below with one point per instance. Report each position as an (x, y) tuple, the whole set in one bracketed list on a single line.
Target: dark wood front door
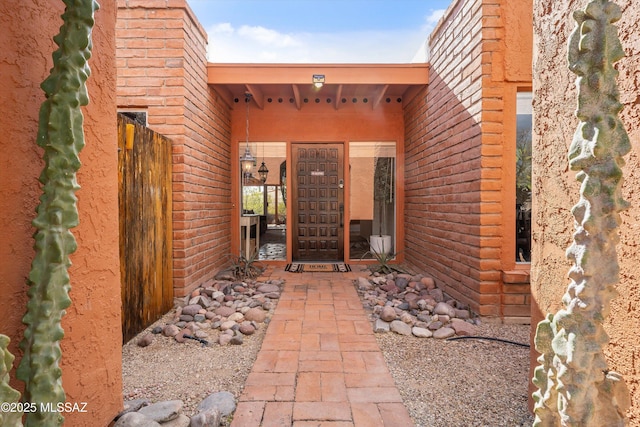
[(318, 202)]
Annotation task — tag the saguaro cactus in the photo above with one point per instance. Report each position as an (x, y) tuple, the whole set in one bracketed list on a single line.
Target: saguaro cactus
[(61, 136), (575, 385)]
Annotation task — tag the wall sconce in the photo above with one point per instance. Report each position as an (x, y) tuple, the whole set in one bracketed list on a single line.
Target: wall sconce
[(318, 80)]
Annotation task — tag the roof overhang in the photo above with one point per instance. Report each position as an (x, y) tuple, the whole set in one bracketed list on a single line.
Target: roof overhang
[(375, 81)]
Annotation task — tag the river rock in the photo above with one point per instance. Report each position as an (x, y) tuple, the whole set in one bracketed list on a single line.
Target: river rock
[(388, 314), (236, 317), (135, 419), (162, 412), (255, 314), (399, 327), (428, 282), (145, 340), (210, 418), (381, 326), (246, 328), (445, 309), (181, 421), (222, 401), (463, 328), (170, 331), (224, 311), (191, 309), (268, 288), (421, 332), (444, 333)]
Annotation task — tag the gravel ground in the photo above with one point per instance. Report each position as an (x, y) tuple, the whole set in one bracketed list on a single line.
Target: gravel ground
[(168, 370), (462, 383), (443, 383)]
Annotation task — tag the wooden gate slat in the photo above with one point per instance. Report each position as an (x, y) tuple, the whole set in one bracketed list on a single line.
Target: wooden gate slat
[(145, 227)]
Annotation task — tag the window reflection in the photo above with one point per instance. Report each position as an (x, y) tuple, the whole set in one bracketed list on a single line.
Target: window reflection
[(523, 176), (372, 198)]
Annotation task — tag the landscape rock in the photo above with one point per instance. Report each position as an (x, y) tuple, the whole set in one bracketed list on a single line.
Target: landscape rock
[(444, 333), (162, 412), (236, 317), (237, 339), (463, 328), (181, 421), (191, 309), (145, 340), (246, 328), (170, 330), (364, 284), (255, 315), (388, 314), (224, 311), (381, 326), (399, 327), (462, 314), (222, 401), (135, 419), (421, 332), (268, 288), (445, 309), (210, 418)]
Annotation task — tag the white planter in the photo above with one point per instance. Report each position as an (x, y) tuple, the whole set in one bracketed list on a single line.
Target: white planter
[(380, 244)]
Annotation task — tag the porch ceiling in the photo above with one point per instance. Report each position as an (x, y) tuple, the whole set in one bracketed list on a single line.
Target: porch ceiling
[(294, 81)]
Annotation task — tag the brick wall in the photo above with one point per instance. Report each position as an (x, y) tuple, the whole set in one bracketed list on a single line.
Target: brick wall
[(162, 70), (460, 160)]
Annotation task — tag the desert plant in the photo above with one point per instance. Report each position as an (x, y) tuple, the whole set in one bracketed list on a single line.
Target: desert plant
[(246, 268), (384, 259)]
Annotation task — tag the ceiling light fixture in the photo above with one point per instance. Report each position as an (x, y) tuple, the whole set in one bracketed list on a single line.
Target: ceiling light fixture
[(318, 80)]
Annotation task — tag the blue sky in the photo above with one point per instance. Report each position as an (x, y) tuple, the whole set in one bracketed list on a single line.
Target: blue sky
[(329, 31)]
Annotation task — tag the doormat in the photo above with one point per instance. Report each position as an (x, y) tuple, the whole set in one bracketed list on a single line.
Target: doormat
[(317, 268)]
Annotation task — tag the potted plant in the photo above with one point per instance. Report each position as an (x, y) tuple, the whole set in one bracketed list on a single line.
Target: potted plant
[(383, 181)]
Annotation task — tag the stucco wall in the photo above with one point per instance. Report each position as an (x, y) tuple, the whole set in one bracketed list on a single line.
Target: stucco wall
[(460, 153), (556, 190), (91, 361), (162, 70)]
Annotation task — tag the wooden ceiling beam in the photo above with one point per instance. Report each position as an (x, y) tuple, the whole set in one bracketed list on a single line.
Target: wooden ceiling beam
[(296, 96), (338, 96), (378, 97), (256, 94)]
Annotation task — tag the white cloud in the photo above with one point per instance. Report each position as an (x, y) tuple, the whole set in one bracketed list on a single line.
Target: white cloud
[(260, 44), (432, 19), (268, 37)]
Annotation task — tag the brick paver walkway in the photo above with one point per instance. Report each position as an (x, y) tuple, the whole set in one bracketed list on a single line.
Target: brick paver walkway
[(320, 364)]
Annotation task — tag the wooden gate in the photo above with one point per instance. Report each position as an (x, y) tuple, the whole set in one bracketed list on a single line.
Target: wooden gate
[(146, 260)]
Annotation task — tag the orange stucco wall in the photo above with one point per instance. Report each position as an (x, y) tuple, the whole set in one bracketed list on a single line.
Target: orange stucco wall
[(556, 190), (460, 151), (91, 361), (162, 70)]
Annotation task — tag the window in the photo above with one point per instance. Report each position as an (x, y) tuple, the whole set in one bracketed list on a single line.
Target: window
[(373, 197), (523, 176)]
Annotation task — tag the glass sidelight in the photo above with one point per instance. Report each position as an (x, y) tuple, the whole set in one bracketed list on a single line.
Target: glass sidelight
[(264, 213), (372, 198)]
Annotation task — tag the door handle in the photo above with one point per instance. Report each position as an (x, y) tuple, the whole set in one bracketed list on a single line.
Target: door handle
[(341, 215)]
